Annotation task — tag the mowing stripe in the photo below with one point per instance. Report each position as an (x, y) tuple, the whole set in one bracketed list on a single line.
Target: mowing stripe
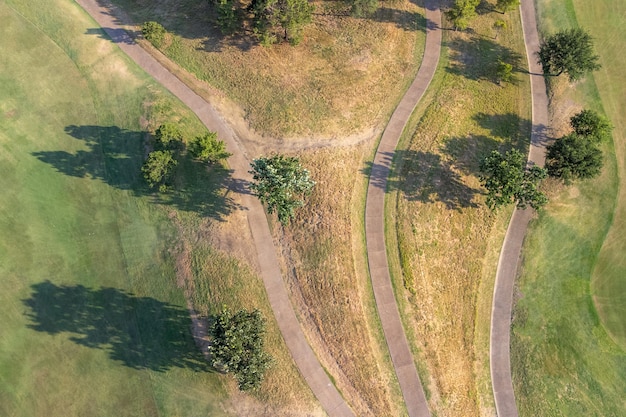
[(401, 356)]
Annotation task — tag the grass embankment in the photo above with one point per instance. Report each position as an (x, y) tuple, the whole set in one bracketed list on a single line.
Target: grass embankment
[(342, 79), (442, 239), (564, 362), (94, 322)]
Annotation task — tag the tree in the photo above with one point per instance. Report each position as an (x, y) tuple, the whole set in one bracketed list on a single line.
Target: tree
[(237, 347), (154, 32), (363, 8), (462, 12), (289, 15), (574, 156), (158, 168), (508, 181), (570, 51), (506, 5), (227, 18), (504, 72), (590, 124), (280, 182), (169, 136), (208, 149)]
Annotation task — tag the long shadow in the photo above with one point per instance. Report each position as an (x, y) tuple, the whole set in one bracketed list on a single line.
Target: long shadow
[(115, 156), (509, 127), (408, 21), (139, 332), (477, 58), (425, 177)]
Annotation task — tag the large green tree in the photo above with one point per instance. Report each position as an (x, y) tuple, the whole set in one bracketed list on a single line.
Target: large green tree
[(508, 181), (288, 15), (462, 12), (158, 168), (363, 8), (237, 346), (169, 136), (574, 156), (570, 51), (591, 124), (280, 182), (208, 148), (506, 5)]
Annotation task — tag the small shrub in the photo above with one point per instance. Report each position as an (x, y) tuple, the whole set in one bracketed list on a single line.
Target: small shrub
[(154, 32)]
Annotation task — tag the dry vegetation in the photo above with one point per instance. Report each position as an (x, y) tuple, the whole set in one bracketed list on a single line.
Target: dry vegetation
[(345, 77), (324, 259), (447, 239)]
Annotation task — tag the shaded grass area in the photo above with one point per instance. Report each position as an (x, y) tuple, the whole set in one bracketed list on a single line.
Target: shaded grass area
[(94, 320), (345, 76), (564, 362), (442, 239), (324, 264)]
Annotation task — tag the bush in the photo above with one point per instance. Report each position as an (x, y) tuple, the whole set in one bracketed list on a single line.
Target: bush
[(574, 156), (208, 149), (158, 169), (154, 32)]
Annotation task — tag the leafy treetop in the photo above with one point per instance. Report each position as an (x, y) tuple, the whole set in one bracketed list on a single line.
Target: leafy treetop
[(508, 181), (592, 125), (574, 156), (569, 51), (208, 149)]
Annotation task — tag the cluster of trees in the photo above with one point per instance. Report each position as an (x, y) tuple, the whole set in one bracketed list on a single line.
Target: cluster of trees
[(463, 11), (573, 156), (237, 346), (169, 145)]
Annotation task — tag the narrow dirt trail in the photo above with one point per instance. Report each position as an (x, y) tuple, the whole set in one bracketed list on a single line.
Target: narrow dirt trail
[(304, 357), (401, 356), (500, 356)]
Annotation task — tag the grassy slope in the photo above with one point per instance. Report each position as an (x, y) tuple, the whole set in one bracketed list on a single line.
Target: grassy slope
[(342, 78), (609, 278), (74, 222), (447, 240), (563, 361)]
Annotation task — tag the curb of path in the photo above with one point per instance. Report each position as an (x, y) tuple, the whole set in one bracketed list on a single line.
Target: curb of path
[(502, 306), (304, 357), (399, 350)]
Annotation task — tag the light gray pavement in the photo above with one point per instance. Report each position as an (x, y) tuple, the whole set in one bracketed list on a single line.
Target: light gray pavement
[(399, 350), (306, 361), (500, 359)]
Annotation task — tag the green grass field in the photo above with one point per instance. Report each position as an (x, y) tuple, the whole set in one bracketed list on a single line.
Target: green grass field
[(94, 322), (564, 361)]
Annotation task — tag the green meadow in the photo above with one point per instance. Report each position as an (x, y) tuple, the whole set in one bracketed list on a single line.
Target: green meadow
[(568, 351), (93, 323)]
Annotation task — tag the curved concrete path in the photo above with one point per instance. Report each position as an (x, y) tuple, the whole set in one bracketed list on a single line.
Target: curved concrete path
[(399, 350), (500, 359), (308, 364)]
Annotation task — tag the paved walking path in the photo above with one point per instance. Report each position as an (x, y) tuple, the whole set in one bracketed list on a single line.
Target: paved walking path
[(500, 359), (303, 355), (399, 350)]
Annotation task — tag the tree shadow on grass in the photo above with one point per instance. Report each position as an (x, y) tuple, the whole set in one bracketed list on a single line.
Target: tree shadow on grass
[(425, 177), (139, 332), (115, 156), (477, 58)]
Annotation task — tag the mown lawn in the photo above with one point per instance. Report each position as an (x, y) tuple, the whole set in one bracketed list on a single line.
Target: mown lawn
[(93, 319), (571, 285)]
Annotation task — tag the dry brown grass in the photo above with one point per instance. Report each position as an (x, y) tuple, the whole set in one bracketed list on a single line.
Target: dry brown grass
[(345, 76), (448, 240), (324, 265)]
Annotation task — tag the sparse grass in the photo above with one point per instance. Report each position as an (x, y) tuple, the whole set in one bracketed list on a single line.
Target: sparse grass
[(323, 250), (443, 241), (94, 322), (345, 76), (564, 361)]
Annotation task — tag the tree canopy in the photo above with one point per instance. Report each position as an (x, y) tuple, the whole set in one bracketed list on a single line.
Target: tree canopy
[(508, 181), (506, 5), (288, 15), (169, 136), (569, 51), (462, 12), (237, 347), (591, 124), (280, 182), (158, 168), (208, 149), (574, 156)]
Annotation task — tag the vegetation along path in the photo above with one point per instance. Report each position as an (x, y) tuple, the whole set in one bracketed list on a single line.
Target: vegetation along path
[(303, 355), (500, 358), (401, 356)]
